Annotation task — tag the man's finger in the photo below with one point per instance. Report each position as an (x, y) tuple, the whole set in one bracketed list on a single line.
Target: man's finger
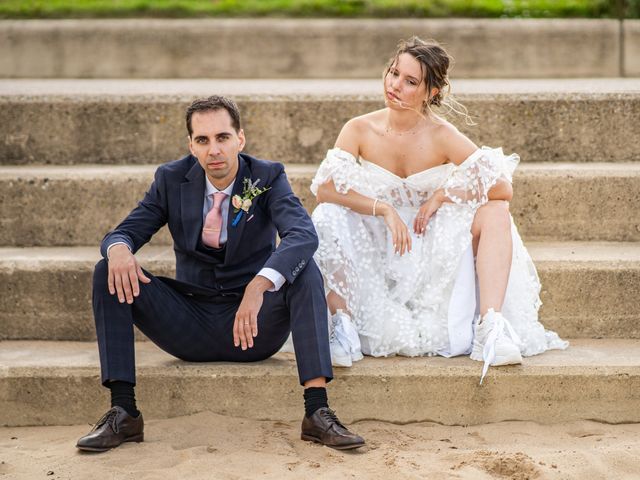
[(247, 332), (141, 276), (241, 332), (236, 336), (254, 325), (110, 282), (241, 339), (119, 289), (126, 286), (133, 279)]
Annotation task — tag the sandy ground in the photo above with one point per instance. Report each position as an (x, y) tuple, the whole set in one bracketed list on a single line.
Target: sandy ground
[(209, 446)]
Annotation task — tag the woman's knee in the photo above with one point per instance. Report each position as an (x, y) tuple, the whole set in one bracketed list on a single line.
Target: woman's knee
[(495, 213)]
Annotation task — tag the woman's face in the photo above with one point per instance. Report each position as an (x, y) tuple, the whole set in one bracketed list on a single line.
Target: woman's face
[(404, 84)]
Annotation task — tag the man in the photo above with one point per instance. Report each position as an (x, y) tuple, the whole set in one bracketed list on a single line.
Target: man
[(236, 296)]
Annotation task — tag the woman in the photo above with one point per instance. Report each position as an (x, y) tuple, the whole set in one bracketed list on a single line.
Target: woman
[(414, 224)]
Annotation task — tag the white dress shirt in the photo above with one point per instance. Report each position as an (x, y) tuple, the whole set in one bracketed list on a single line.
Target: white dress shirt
[(269, 273)]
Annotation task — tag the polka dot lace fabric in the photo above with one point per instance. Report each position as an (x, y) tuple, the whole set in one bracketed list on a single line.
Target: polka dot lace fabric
[(401, 304)]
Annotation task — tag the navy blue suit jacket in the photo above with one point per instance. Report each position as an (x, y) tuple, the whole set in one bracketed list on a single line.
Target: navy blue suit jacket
[(176, 197)]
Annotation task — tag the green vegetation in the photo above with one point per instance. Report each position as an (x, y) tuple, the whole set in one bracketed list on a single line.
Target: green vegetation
[(318, 8)]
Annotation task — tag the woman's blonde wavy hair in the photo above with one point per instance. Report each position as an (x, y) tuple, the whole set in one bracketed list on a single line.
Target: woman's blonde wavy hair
[(434, 62)]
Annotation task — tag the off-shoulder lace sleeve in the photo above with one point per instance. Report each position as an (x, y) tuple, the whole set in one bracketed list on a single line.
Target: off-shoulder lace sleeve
[(470, 182), (346, 173)]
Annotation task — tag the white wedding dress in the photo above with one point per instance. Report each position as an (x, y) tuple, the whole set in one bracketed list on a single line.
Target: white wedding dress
[(424, 302)]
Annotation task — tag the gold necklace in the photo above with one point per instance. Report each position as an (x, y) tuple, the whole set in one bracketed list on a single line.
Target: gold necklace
[(410, 131)]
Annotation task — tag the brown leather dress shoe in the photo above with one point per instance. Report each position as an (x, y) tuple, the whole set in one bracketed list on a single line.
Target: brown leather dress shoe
[(325, 428), (115, 427)]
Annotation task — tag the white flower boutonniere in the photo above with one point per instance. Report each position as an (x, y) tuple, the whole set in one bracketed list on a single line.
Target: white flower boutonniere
[(242, 203)]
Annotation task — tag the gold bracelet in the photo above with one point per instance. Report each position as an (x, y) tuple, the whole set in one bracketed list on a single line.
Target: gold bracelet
[(374, 206)]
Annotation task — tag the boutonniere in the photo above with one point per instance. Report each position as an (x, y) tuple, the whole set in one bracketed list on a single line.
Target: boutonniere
[(242, 203)]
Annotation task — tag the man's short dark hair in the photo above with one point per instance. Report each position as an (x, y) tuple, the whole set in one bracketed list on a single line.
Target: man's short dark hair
[(213, 103)]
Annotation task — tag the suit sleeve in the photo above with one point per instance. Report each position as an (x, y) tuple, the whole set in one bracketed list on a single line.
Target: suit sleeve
[(298, 238), (144, 221)]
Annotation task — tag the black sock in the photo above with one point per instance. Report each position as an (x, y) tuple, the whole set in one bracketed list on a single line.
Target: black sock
[(314, 398), (123, 395)]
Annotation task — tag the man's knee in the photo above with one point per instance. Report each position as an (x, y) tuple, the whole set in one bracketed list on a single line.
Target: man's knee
[(101, 273)]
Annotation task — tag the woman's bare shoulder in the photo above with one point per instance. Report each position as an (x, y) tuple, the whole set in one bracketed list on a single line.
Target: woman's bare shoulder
[(353, 132), (452, 143)]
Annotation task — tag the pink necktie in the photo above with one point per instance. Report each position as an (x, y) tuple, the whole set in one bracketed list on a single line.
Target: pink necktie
[(213, 222)]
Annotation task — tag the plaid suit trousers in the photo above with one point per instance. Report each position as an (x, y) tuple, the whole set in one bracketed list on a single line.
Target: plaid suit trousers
[(201, 330)]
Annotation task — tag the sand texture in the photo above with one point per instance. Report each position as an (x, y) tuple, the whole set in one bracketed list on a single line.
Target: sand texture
[(209, 446)]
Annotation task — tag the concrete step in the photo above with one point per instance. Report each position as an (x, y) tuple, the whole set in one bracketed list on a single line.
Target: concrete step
[(56, 383), (631, 40), (280, 48), (77, 205), (142, 121), (589, 290)]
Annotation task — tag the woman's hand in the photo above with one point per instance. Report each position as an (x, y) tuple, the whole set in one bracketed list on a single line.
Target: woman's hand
[(427, 210), (399, 230)]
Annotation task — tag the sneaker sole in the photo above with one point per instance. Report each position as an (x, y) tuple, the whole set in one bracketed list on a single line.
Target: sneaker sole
[(499, 361), (341, 361), (313, 439), (135, 438)]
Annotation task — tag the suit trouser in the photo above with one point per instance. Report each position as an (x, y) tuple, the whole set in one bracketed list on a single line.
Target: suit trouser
[(198, 329)]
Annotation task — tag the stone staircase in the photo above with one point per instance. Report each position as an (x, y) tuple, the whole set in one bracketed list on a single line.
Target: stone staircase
[(76, 155)]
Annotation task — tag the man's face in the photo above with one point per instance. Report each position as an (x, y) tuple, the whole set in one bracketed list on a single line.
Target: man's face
[(216, 144)]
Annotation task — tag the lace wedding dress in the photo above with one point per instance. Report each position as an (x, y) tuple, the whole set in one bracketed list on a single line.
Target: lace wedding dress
[(424, 302)]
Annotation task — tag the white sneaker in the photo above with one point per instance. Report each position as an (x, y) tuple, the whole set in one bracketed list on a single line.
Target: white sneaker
[(344, 341), (495, 342)]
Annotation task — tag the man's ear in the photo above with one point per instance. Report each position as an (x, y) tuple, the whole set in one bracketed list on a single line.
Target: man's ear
[(243, 141), (190, 145)]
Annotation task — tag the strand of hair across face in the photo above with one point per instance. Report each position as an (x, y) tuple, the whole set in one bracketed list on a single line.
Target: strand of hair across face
[(447, 101)]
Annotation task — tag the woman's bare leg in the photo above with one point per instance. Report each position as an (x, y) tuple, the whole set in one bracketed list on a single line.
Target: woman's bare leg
[(335, 302), (492, 246)]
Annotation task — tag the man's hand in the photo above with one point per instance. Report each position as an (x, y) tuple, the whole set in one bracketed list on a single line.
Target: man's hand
[(124, 273), (245, 327)]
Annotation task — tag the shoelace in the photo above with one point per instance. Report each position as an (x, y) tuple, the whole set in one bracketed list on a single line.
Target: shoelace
[(489, 350), (329, 414), (109, 418)]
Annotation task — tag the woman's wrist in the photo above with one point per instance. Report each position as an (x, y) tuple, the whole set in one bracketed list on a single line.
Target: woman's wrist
[(382, 209)]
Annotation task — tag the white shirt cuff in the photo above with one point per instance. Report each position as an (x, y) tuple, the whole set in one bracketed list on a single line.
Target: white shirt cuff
[(276, 278), (114, 244)]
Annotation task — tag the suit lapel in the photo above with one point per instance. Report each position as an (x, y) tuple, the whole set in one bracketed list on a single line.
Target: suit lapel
[(191, 205), (235, 233)]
